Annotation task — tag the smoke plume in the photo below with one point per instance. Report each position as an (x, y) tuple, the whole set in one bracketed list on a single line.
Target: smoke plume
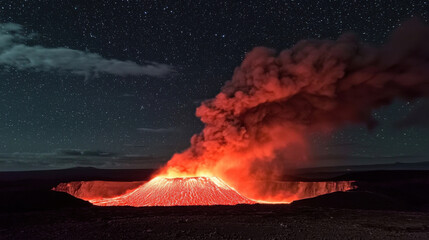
[(257, 126)]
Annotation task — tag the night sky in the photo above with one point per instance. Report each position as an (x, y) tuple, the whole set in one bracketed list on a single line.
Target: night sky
[(138, 109)]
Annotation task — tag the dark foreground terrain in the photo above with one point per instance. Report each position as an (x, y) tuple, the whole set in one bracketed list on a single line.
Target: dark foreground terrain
[(386, 204), (215, 222)]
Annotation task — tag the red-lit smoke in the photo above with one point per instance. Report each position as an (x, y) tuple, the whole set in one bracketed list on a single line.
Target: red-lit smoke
[(257, 125)]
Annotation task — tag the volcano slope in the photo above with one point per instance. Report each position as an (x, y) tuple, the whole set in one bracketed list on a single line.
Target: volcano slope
[(178, 192)]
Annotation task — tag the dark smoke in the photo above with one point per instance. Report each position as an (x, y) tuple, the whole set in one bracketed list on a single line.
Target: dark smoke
[(259, 122)]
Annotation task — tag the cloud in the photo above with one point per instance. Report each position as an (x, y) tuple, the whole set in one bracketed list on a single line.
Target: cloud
[(15, 53), (157, 130), (79, 152), (66, 158)]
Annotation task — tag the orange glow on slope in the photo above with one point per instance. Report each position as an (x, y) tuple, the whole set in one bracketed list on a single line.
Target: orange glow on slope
[(183, 191), (162, 191), (286, 192), (90, 190)]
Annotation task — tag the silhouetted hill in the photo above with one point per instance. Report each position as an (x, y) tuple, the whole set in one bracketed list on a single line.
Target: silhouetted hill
[(80, 174), (371, 167), (384, 175), (12, 201), (353, 200), (380, 189)]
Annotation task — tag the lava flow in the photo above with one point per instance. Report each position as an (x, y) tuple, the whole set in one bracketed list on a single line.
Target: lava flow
[(184, 191)]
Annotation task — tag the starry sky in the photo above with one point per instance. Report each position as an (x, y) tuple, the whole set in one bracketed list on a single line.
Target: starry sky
[(139, 108)]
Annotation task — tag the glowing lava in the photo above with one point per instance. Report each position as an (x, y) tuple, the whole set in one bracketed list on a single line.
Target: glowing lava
[(184, 191)]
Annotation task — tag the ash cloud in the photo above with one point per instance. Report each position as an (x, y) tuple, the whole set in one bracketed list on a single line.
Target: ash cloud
[(259, 123), (14, 52)]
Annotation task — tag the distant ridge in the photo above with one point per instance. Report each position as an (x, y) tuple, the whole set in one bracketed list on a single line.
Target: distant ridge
[(92, 173), (384, 166), (79, 174)]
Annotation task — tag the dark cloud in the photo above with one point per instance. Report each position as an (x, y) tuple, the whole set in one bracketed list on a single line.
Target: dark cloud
[(19, 55)]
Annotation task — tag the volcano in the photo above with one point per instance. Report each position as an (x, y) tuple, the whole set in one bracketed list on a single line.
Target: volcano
[(183, 191)]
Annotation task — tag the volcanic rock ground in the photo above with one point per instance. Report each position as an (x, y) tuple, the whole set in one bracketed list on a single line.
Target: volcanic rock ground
[(386, 205), (214, 222)]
